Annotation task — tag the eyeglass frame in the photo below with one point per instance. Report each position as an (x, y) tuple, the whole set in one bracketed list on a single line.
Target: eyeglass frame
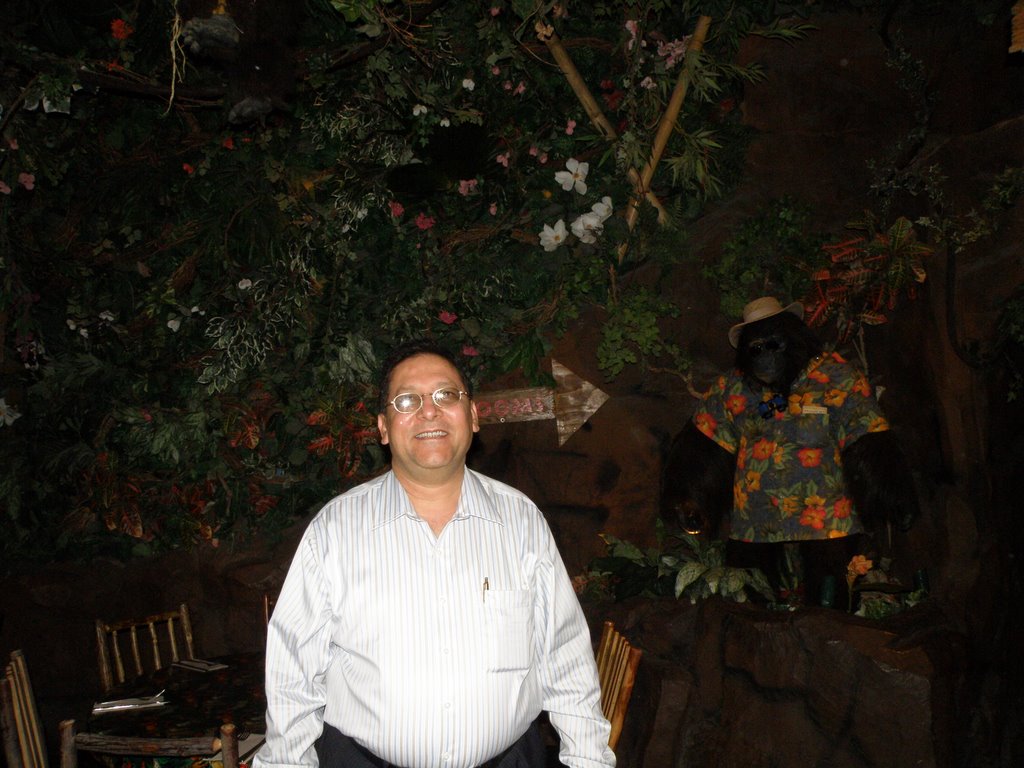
[(433, 399)]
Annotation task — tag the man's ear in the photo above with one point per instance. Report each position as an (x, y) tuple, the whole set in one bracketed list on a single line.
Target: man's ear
[(382, 427), (476, 418)]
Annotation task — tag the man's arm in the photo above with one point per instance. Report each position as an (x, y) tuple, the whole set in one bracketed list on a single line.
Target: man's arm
[(297, 658), (568, 672)]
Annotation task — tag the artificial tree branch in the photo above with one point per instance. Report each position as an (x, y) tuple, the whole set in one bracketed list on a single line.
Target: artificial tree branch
[(668, 120), (550, 38)]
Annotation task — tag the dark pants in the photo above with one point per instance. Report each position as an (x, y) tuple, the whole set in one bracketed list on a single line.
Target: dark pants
[(336, 750)]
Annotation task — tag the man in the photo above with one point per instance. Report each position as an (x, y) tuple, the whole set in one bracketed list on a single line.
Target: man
[(427, 617)]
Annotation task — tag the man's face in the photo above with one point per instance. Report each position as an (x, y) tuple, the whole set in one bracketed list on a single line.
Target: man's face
[(430, 445)]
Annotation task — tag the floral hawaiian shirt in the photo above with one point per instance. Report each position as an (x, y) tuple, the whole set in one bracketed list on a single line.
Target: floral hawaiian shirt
[(789, 483)]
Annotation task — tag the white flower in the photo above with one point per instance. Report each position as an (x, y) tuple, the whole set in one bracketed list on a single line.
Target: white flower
[(83, 332), (552, 237), (244, 284), (8, 413), (648, 83), (71, 324), (575, 177), (468, 84), (197, 311), (419, 109), (107, 316), (174, 324), (445, 122), (587, 227), (603, 208)]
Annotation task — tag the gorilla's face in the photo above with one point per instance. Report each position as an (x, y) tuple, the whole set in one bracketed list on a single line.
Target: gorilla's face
[(772, 352), (768, 359)]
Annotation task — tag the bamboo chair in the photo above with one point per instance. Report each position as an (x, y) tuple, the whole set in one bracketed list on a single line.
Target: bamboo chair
[(617, 661), (71, 743), (111, 635), (23, 733)]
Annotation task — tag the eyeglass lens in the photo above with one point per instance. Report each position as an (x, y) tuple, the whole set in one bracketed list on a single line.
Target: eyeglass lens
[(410, 402)]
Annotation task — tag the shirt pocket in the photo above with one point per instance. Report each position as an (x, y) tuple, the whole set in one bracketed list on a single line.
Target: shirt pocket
[(810, 428), (508, 627)]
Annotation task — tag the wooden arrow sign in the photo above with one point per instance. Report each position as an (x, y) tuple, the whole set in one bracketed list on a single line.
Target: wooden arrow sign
[(571, 403)]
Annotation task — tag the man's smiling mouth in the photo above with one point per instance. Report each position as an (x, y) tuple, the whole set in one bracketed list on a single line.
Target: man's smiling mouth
[(432, 433)]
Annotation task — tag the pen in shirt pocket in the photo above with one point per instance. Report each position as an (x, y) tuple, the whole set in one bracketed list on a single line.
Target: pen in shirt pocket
[(487, 586)]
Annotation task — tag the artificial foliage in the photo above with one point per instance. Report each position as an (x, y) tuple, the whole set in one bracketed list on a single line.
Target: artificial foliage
[(205, 253)]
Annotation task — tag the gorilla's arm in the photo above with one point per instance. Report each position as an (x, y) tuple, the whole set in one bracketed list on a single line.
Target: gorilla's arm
[(879, 481), (697, 483)]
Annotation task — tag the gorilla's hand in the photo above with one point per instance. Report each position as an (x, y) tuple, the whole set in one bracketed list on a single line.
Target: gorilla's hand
[(697, 483), (879, 481)]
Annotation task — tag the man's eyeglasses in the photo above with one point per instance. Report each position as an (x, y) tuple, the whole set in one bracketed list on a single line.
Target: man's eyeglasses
[(410, 402)]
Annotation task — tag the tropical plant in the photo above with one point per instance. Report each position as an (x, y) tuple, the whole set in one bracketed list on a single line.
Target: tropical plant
[(689, 566)]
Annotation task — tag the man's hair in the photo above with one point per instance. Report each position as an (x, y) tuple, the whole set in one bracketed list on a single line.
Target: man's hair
[(412, 349)]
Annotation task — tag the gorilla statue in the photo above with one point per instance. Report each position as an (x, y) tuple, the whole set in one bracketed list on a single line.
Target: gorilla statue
[(789, 457)]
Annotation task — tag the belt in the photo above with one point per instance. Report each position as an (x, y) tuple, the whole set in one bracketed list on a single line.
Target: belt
[(380, 762)]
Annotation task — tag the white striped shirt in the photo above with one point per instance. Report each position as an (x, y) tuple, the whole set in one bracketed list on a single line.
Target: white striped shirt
[(431, 652)]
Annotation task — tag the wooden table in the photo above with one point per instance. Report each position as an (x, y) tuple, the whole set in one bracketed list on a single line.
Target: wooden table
[(197, 703)]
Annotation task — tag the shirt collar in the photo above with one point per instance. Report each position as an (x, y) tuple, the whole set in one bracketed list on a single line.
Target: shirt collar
[(474, 501)]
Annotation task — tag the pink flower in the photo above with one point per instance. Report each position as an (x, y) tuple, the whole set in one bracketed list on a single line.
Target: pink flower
[(503, 159), (27, 180), (495, 10), (507, 85), (4, 189), (12, 143), (495, 70), (447, 317), (396, 208), (467, 186), (543, 158), (534, 151), (520, 89), (493, 209), (570, 126), (469, 351), (424, 222)]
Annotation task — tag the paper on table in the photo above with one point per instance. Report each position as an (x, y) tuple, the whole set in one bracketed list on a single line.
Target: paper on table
[(199, 665), (117, 705)]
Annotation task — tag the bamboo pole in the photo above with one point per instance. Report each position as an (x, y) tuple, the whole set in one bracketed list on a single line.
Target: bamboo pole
[(668, 120), (550, 38)]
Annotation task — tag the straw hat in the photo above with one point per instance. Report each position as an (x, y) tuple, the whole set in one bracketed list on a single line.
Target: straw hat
[(759, 309)]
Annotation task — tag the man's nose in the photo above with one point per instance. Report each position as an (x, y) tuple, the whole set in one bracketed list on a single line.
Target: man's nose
[(429, 410)]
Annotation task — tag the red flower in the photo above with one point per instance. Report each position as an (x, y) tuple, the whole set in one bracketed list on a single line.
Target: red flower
[(397, 209), (121, 29), (736, 404), (228, 143), (424, 222), (188, 168), (809, 457), (447, 317), (469, 351)]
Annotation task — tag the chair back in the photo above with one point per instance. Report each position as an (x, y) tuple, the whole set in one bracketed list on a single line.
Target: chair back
[(224, 746), (269, 601), (22, 730), (118, 643), (617, 661)]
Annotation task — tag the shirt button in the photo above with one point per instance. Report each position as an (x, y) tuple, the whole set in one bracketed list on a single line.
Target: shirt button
[(446, 651), (447, 705), (446, 756)]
